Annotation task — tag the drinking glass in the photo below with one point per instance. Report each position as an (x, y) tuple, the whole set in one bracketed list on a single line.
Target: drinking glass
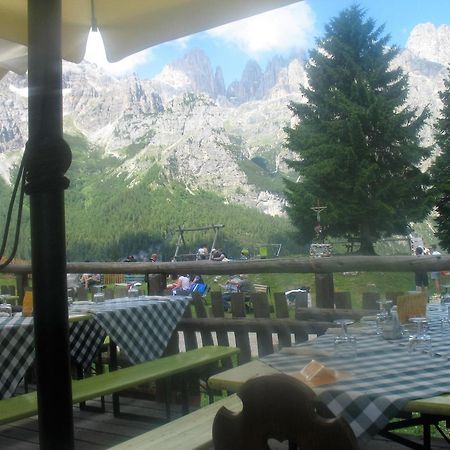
[(420, 339), (344, 343), (384, 306), (5, 310), (98, 296), (444, 315), (133, 292), (379, 323)]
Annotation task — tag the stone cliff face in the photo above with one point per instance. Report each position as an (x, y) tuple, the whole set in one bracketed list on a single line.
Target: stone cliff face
[(193, 129), (430, 43)]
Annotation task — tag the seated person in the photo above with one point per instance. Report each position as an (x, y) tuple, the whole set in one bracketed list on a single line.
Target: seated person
[(237, 283), (89, 279), (198, 285), (202, 252), (181, 286), (218, 255)]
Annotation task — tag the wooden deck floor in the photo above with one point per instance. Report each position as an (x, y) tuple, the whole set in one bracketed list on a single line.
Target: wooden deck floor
[(99, 431), (94, 430)]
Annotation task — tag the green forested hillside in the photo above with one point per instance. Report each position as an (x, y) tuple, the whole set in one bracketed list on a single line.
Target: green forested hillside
[(108, 219)]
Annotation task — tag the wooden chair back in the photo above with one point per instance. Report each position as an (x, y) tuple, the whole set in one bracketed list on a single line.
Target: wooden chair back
[(82, 293), (202, 313), (261, 307), (109, 293), (279, 407), (343, 300), (369, 300), (120, 291), (281, 305), (411, 305)]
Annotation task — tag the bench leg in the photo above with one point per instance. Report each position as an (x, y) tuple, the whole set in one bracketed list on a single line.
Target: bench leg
[(116, 404), (167, 396), (83, 407), (184, 398)]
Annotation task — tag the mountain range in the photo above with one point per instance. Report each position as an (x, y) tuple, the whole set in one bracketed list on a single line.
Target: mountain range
[(186, 126)]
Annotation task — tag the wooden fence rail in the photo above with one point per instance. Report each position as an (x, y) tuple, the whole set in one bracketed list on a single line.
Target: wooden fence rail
[(279, 265)]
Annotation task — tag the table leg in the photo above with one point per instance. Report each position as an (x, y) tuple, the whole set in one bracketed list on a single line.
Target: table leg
[(112, 367)]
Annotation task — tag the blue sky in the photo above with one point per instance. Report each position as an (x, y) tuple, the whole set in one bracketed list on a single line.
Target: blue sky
[(282, 31)]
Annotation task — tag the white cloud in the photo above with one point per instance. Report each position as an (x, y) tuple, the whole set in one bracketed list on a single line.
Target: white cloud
[(95, 53), (279, 30)]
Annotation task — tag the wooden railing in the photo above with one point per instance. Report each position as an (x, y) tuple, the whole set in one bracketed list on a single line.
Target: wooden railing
[(322, 267), (278, 265)]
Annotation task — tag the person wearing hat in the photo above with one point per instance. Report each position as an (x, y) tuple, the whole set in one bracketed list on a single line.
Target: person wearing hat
[(154, 258)]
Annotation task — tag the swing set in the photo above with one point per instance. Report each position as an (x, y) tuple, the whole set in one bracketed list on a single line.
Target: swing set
[(181, 243)]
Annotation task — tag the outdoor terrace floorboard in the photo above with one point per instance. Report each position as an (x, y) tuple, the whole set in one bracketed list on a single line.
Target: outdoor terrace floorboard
[(99, 431)]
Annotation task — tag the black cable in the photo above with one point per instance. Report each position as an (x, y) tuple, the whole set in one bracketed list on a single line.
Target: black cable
[(20, 181)]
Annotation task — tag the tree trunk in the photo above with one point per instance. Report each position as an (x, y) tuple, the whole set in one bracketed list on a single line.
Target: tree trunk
[(366, 247)]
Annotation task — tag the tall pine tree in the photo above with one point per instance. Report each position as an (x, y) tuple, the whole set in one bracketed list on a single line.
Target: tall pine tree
[(357, 142), (441, 168)]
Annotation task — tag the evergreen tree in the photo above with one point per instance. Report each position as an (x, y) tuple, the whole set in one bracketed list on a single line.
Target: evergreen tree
[(441, 168), (357, 142)]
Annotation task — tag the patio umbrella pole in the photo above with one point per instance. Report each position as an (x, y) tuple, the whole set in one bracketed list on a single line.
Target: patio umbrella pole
[(47, 159)]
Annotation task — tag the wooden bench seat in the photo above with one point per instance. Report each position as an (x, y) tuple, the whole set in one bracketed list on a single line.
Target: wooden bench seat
[(192, 431), (25, 405)]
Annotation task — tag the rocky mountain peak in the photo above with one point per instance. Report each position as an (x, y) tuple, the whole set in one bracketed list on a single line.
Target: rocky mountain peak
[(194, 72), (429, 42), (185, 123)]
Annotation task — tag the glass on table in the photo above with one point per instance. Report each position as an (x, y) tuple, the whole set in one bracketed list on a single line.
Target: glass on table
[(380, 319), (344, 343), (99, 295), (445, 314), (385, 306), (420, 340), (5, 310), (133, 292)]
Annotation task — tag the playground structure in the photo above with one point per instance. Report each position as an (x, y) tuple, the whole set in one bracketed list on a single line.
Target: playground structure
[(181, 243)]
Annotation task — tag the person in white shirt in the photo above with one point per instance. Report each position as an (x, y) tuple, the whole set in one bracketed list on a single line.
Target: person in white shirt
[(182, 285)]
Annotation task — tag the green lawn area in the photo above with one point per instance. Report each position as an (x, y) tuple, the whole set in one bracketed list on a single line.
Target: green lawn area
[(355, 282)]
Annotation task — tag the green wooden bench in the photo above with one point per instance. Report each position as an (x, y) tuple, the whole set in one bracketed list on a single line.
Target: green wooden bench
[(25, 405), (189, 432)]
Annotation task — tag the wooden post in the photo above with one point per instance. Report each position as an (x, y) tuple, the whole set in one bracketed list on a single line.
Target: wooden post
[(218, 311), (202, 314), (324, 290), (242, 337), (21, 281), (264, 336)]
